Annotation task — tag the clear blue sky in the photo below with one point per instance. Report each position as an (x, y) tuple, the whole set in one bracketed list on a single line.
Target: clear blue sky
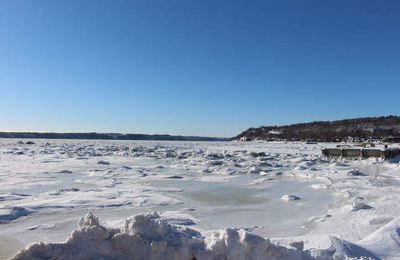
[(192, 67)]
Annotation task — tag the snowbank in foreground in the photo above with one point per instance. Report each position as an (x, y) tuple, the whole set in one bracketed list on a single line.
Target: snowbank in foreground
[(151, 237)]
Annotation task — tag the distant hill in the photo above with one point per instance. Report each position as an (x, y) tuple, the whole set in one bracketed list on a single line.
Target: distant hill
[(107, 136), (379, 128)]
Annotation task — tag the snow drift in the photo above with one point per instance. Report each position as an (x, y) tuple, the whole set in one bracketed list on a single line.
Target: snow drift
[(151, 237)]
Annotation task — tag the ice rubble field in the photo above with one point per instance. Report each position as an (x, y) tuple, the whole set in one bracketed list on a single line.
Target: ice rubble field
[(237, 200)]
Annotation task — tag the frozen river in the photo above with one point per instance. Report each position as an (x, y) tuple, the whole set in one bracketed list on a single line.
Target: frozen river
[(46, 186)]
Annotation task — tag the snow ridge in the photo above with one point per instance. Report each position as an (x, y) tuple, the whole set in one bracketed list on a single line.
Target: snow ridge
[(149, 236)]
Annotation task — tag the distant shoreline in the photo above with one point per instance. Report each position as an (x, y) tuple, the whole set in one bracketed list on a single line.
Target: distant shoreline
[(384, 128), (107, 136)]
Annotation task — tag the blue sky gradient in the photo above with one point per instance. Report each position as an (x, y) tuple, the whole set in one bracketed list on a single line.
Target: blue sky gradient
[(195, 67)]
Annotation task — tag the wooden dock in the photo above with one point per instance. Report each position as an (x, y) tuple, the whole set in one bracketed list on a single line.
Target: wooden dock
[(359, 152)]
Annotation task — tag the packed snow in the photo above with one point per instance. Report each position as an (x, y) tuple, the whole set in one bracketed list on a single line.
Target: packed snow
[(238, 200)]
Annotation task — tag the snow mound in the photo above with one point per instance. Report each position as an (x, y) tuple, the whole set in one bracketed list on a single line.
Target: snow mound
[(384, 242), (231, 244), (342, 249), (151, 237)]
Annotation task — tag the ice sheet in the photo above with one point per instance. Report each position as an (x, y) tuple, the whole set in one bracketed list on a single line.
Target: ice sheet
[(46, 187)]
